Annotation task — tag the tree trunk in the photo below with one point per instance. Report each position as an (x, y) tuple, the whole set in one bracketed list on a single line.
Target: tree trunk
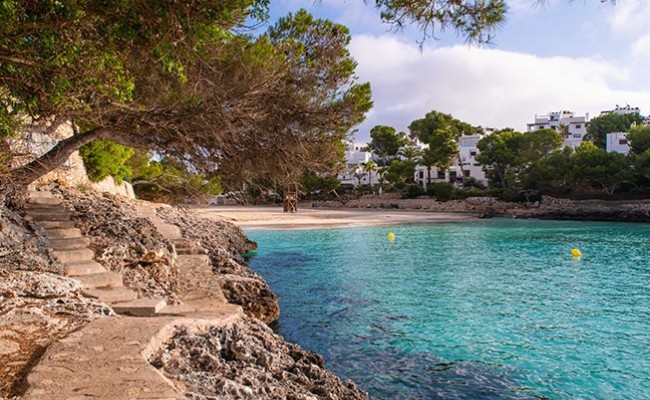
[(460, 164), (22, 176)]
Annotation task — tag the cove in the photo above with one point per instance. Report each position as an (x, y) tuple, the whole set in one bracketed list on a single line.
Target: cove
[(486, 309)]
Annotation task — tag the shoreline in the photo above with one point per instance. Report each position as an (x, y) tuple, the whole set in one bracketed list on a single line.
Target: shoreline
[(273, 217), (389, 209)]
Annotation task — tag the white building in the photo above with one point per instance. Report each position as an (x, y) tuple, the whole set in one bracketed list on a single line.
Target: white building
[(421, 174), (617, 142), (622, 110), (571, 127), (470, 168), (468, 152), (355, 154), (355, 159)]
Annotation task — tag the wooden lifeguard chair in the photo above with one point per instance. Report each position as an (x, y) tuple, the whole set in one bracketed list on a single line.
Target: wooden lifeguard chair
[(291, 198)]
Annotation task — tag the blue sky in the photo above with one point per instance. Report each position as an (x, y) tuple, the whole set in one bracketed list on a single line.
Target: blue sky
[(583, 56)]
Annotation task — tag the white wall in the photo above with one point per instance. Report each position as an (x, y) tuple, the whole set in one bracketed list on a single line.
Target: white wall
[(617, 142)]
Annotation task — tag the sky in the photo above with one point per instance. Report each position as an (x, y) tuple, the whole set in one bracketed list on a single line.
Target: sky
[(583, 56)]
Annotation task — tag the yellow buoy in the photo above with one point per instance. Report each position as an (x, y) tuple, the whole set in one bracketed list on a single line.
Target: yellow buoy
[(576, 252), (391, 236)]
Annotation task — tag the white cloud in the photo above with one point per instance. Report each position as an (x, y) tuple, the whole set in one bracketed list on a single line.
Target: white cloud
[(485, 87), (630, 16), (641, 47)]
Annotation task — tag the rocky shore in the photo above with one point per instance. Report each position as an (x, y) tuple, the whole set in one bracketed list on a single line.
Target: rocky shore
[(224, 244), (547, 208), (38, 306), (247, 361)]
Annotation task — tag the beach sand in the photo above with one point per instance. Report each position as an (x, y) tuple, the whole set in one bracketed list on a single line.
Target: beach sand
[(272, 217)]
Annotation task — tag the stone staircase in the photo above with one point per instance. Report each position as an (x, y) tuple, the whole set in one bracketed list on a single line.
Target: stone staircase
[(72, 249)]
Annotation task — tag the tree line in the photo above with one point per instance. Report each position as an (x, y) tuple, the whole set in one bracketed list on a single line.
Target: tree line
[(515, 163)]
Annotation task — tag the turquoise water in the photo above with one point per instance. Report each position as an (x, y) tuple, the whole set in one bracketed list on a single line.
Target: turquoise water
[(492, 309)]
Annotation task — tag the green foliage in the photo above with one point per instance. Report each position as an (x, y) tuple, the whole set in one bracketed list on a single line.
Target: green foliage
[(386, 142), (516, 195), (600, 126), (538, 144), (179, 79), (169, 180), (642, 164), (499, 156), (104, 158), (442, 191), (472, 182), (440, 123), (317, 183), (441, 132), (639, 139), (594, 165), (552, 172), (507, 155), (414, 190), (476, 21), (400, 172)]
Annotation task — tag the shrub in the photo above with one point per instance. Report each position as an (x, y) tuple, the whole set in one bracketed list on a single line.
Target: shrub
[(471, 192), (413, 191), (104, 158), (517, 196), (442, 191), (472, 182)]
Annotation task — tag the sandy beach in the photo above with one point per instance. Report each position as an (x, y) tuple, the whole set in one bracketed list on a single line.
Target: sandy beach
[(272, 217)]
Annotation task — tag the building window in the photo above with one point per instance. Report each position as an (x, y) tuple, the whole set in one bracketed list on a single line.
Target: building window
[(452, 174), (622, 141), (472, 153), (467, 173), (441, 174), (421, 174), (578, 126), (577, 136)]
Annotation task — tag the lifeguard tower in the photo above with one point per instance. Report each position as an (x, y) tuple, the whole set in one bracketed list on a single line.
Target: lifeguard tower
[(291, 198)]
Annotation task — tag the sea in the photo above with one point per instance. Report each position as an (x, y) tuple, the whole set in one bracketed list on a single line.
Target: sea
[(485, 309)]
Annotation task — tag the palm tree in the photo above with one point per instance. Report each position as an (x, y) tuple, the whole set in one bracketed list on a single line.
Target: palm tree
[(411, 154), (380, 175), (412, 157), (369, 167), (359, 174)]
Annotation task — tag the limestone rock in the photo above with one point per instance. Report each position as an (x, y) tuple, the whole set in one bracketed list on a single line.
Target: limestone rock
[(247, 361), (24, 245), (125, 242), (38, 285), (37, 308), (225, 242)]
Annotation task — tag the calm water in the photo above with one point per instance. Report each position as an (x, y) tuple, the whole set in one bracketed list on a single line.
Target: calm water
[(492, 309)]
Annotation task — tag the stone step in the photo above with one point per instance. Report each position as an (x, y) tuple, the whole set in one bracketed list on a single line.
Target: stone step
[(139, 307), (63, 233), (49, 215), (87, 268), (40, 194), (111, 295), (44, 208), (35, 201), (56, 224), (101, 280), (75, 256), (70, 244)]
